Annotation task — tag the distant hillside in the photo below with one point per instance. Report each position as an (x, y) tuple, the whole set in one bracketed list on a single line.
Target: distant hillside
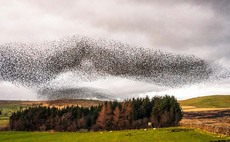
[(215, 101), (16, 105)]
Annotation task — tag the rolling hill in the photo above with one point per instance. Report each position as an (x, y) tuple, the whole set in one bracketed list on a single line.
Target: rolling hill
[(215, 101)]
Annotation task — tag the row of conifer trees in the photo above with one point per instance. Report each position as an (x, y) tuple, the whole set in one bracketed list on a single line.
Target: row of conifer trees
[(130, 114)]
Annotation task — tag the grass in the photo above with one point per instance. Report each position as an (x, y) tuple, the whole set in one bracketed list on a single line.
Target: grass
[(216, 101), (176, 134), (4, 121), (7, 108)]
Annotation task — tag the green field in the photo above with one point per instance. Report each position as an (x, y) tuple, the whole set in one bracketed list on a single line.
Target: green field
[(4, 121), (216, 101), (164, 135), (7, 107)]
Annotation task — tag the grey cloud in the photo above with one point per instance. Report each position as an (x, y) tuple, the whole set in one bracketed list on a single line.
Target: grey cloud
[(170, 25)]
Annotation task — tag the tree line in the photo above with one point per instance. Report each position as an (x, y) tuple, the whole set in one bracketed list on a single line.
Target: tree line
[(130, 114)]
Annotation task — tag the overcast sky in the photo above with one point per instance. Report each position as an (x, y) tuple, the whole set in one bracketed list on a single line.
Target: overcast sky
[(196, 27)]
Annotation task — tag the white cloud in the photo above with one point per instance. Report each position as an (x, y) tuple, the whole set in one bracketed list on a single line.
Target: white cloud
[(8, 91), (214, 88)]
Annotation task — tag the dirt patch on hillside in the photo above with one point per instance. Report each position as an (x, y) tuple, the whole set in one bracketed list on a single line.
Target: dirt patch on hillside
[(193, 108)]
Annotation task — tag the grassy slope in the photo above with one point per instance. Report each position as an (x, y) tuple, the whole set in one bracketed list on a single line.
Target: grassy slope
[(7, 107), (165, 134), (216, 101)]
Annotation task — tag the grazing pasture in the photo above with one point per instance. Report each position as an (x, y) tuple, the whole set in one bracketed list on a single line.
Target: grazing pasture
[(176, 134), (207, 102)]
